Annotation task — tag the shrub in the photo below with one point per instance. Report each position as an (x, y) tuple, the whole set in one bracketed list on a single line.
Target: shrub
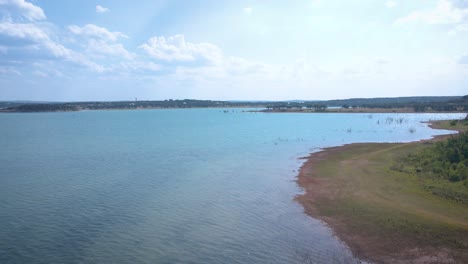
[(444, 164)]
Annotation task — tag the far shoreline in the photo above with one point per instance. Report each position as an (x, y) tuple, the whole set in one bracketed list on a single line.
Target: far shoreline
[(262, 110), (357, 111), (129, 109)]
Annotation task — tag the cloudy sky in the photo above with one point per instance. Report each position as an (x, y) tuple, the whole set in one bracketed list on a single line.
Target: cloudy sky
[(78, 50)]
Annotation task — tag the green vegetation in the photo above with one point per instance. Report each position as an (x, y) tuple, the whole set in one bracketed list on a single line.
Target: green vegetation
[(459, 125), (447, 160), (44, 108), (442, 166), (398, 104), (76, 106)]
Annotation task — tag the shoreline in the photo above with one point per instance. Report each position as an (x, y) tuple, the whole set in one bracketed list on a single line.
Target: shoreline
[(330, 198), (130, 109), (262, 110)]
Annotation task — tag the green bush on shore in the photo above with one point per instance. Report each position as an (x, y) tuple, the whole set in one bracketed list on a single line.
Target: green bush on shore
[(441, 168), (445, 160)]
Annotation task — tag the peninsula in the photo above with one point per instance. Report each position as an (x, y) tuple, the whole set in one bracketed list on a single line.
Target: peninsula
[(394, 203)]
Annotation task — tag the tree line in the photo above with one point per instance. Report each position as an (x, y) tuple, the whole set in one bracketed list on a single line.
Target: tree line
[(417, 104)]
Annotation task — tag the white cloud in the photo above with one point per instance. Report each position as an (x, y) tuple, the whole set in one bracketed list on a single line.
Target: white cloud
[(463, 59), (41, 74), (460, 3), (23, 31), (248, 10), (390, 4), (34, 39), (93, 31), (112, 49), (444, 13), (459, 28), (141, 65), (46, 70), (8, 71), (101, 9), (28, 39), (34, 35), (37, 41), (223, 70), (382, 60), (175, 48), (24, 9), (99, 40)]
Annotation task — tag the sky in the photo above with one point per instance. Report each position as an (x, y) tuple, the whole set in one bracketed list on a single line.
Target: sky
[(109, 50)]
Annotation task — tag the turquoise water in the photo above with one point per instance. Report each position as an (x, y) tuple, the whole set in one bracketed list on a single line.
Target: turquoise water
[(172, 186)]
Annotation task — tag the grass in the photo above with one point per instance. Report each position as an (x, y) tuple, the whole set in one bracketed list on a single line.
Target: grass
[(385, 214), (459, 125)]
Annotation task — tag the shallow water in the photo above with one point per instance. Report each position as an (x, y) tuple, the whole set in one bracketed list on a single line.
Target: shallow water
[(172, 186)]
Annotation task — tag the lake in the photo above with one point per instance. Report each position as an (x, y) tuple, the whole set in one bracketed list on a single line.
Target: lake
[(173, 186)]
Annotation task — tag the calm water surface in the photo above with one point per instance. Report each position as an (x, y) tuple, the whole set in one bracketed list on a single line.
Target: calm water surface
[(172, 186)]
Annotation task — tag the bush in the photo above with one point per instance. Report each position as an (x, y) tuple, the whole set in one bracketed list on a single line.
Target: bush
[(444, 160), (444, 164), (454, 178)]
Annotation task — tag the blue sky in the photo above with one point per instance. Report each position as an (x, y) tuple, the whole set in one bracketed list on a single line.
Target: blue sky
[(232, 50)]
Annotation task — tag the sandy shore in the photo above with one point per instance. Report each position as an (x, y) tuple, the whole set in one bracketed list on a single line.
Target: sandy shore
[(351, 189)]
